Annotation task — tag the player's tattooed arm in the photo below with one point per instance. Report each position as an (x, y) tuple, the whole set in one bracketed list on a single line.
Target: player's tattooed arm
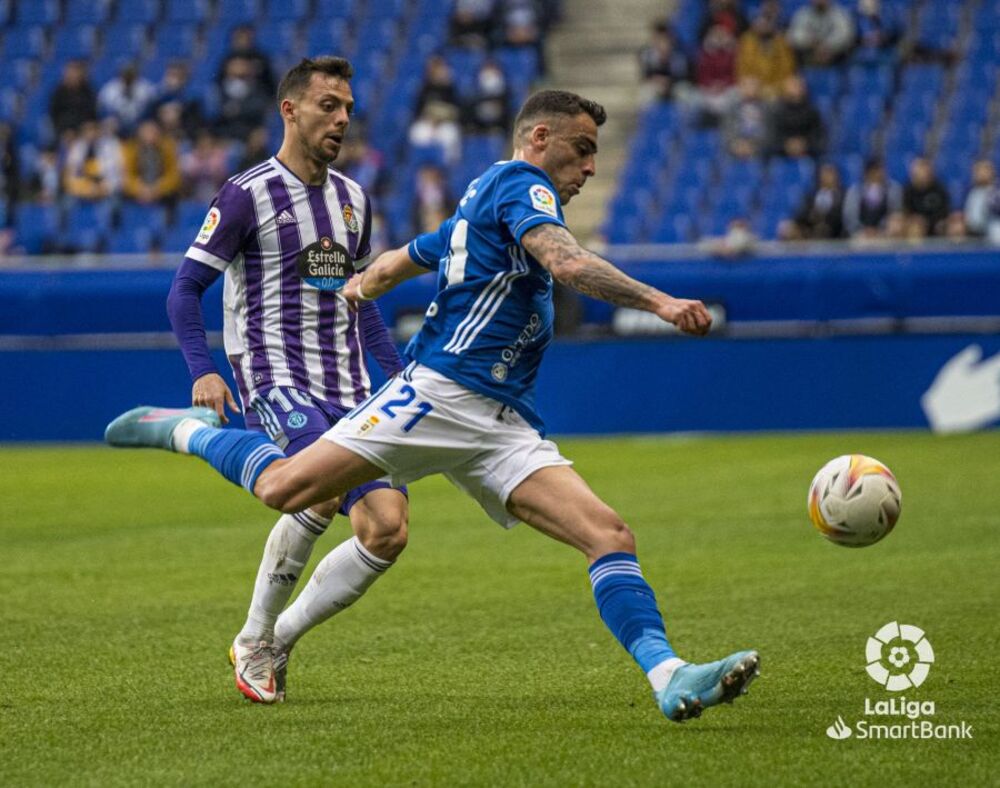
[(572, 265)]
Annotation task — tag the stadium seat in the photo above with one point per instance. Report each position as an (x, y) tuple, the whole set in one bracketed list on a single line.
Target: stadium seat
[(186, 12), (131, 240), (36, 12), (24, 41), (87, 12), (76, 42), (36, 227), (140, 12)]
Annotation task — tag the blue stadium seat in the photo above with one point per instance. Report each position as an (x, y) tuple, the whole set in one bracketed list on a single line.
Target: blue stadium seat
[(175, 40), (140, 12), (324, 38), (185, 12), (36, 227), (131, 240), (230, 13), (151, 217), (282, 39), (125, 39), (87, 12), (190, 213), (278, 11), (24, 41), (77, 42), (36, 12)]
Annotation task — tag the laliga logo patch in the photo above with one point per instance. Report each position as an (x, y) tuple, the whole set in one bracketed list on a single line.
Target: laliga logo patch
[(899, 656), (325, 264), (542, 199), (209, 225), (349, 218)]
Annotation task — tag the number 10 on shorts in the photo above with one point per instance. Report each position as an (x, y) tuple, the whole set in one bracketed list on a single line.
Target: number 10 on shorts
[(408, 395)]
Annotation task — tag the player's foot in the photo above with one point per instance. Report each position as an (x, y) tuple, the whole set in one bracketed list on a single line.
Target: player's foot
[(153, 427), (693, 688), (280, 656), (253, 667)]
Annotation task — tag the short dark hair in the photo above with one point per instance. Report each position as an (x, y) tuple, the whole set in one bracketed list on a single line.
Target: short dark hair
[(298, 77), (547, 103)]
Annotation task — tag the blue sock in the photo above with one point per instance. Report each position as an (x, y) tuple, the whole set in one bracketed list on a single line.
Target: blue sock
[(628, 606), (239, 455)]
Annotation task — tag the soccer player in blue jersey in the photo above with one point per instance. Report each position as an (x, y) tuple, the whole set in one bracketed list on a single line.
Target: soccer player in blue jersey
[(296, 348), (465, 406)]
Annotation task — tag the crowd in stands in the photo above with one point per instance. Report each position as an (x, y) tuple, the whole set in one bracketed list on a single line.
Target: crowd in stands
[(820, 119), (127, 159)]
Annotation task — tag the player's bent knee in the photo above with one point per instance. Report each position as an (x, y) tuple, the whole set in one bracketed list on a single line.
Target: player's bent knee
[(614, 536), (387, 537), (273, 490)]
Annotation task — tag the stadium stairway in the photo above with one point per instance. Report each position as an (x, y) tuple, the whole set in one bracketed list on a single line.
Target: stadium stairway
[(594, 52)]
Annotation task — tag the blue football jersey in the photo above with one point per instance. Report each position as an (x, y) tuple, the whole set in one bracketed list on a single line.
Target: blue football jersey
[(491, 319)]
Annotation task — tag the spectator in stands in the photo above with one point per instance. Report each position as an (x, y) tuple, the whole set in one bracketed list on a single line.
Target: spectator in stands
[(432, 203), (715, 74), (664, 64), (878, 33), (361, 162), (925, 199), (9, 175), (726, 13), (521, 22), (205, 167), (436, 123), (977, 202), (173, 92), (746, 128), (954, 227), (764, 55), (127, 97), (93, 166), (243, 46), (45, 180), (821, 215), (869, 204), (798, 127), (821, 33), (151, 168), (472, 23), (488, 107), (243, 101), (256, 150), (73, 102)]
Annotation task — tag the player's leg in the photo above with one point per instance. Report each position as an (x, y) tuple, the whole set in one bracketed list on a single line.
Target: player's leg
[(379, 519), (249, 459), (558, 502)]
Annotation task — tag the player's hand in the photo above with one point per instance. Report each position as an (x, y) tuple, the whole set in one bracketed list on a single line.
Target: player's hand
[(211, 391), (691, 317), (350, 291)]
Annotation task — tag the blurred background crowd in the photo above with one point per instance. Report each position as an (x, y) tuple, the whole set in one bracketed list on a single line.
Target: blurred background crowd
[(769, 119)]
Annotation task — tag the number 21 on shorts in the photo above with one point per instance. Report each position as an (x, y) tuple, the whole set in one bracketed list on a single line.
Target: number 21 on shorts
[(406, 398)]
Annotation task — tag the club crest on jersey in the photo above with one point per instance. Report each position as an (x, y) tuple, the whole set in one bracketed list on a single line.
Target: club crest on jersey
[(325, 264), (349, 218), (542, 199), (499, 372), (368, 424), (209, 225)]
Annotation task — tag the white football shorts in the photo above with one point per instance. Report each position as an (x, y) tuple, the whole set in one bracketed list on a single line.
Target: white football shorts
[(422, 423)]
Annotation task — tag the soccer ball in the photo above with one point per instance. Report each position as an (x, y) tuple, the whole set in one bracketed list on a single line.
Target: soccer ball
[(854, 500)]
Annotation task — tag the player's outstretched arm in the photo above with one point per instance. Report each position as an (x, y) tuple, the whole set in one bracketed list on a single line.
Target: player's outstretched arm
[(555, 248), (389, 269)]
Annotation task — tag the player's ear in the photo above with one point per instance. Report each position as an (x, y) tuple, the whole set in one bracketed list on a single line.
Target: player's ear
[(540, 135), (287, 108)]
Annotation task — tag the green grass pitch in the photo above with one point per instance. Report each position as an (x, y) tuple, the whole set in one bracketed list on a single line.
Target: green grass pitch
[(480, 659)]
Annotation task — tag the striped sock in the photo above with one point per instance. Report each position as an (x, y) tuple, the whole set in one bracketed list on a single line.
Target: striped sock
[(285, 555), (239, 455), (628, 607), (338, 582)]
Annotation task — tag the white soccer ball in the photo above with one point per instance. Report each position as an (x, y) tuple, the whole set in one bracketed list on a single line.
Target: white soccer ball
[(854, 500)]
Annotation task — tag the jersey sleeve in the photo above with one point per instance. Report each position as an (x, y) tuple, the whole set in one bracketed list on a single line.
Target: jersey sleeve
[(524, 199), (364, 254), (227, 226), (427, 250)]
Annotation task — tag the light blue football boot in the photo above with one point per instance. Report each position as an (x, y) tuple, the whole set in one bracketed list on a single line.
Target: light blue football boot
[(693, 688), (153, 427)]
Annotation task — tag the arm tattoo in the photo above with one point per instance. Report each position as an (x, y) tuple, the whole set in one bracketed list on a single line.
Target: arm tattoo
[(556, 249)]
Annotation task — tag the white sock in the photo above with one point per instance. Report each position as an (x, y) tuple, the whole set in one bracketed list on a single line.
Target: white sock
[(339, 580), (660, 675), (183, 432), (286, 553)]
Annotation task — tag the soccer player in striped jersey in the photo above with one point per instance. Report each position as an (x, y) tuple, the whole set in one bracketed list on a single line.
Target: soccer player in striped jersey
[(287, 234), (465, 406)]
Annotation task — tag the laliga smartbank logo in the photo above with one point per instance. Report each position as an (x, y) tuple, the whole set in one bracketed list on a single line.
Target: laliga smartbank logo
[(899, 657)]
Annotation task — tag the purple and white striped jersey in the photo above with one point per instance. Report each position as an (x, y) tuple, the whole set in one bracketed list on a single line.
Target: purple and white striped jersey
[(279, 329)]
